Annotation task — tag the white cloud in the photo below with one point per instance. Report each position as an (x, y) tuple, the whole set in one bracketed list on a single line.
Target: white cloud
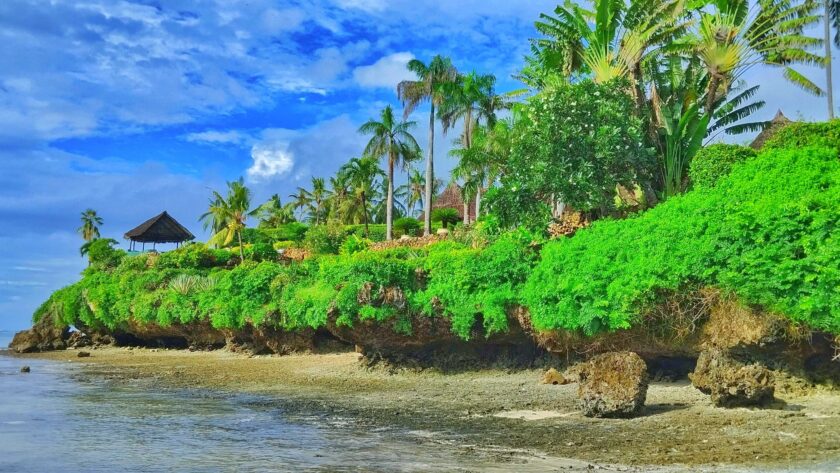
[(387, 72), (271, 160), (219, 137)]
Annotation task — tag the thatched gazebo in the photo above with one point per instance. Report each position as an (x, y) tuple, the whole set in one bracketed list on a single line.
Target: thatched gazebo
[(161, 228), (451, 198), (779, 121)]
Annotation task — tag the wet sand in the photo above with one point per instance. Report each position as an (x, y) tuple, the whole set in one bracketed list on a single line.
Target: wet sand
[(509, 414)]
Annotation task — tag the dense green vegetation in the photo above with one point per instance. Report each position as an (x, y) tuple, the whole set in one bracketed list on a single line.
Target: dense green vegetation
[(621, 99), (768, 233)]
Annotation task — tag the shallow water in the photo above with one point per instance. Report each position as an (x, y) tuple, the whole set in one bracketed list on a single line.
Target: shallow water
[(56, 419)]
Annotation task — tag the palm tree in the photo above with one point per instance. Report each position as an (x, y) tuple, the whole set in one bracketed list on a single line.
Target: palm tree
[(339, 193), (318, 199), (611, 40), (466, 95), (733, 36), (429, 87), (362, 174), (90, 225), (227, 215), (393, 141), (273, 213), (831, 18), (300, 200)]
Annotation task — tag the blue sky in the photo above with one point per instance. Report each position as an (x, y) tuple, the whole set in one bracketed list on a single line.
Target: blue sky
[(134, 107)]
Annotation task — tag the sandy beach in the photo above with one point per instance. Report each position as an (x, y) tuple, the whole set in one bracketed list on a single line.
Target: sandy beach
[(508, 413)]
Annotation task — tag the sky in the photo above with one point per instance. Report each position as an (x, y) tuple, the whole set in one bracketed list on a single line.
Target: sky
[(135, 107)]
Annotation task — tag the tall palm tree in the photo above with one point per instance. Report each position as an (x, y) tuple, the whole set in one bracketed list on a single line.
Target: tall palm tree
[(429, 87), (468, 97), (339, 193), (392, 140), (90, 225), (227, 215), (301, 200), (831, 18), (363, 173), (318, 198)]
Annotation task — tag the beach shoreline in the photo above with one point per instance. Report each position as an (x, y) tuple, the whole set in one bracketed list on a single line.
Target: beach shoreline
[(506, 411)]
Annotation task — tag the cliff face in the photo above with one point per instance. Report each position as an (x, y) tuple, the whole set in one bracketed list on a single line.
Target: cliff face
[(669, 340)]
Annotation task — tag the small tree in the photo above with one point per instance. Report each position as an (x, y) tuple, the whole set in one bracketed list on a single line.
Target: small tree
[(574, 143), (446, 216)]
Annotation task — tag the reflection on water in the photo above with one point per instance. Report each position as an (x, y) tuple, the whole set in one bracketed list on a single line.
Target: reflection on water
[(54, 420)]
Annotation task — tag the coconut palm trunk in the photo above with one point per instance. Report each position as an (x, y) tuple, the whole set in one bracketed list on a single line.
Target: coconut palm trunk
[(829, 86), (365, 210), (389, 207), (478, 202), (430, 175), (241, 251)]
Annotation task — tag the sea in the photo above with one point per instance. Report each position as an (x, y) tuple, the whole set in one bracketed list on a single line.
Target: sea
[(54, 420)]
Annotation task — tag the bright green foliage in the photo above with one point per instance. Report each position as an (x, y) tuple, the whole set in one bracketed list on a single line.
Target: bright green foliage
[(769, 232), (406, 226), (801, 134), (446, 216), (469, 283), (573, 144), (324, 239), (102, 253), (354, 244), (375, 232), (196, 255), (294, 231), (714, 162)]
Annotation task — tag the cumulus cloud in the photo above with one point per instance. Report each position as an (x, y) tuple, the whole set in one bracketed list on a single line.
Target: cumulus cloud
[(387, 72), (271, 160)]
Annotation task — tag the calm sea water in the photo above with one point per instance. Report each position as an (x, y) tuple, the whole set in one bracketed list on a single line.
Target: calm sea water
[(52, 420)]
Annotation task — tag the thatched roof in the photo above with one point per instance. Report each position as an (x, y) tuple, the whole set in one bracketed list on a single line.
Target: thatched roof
[(451, 198), (778, 122), (160, 229)]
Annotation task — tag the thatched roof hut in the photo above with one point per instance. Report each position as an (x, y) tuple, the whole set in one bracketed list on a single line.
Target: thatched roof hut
[(779, 121), (451, 198), (161, 228)]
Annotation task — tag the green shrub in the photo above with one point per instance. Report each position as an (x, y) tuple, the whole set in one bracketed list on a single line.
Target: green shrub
[(294, 231), (446, 216), (283, 244), (406, 226), (376, 231), (324, 239), (769, 232), (195, 255), (714, 162), (102, 254), (354, 244), (801, 134), (260, 252)]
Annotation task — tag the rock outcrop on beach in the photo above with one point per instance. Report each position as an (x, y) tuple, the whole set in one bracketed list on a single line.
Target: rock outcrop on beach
[(45, 335), (613, 385), (731, 383)]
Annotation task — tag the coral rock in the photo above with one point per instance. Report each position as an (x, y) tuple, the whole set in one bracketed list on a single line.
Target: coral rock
[(613, 385), (552, 376), (731, 383)]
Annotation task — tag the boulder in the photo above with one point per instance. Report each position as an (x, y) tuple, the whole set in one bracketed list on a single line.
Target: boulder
[(83, 354), (442, 232), (45, 335), (25, 369), (613, 385), (552, 376), (731, 383)]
